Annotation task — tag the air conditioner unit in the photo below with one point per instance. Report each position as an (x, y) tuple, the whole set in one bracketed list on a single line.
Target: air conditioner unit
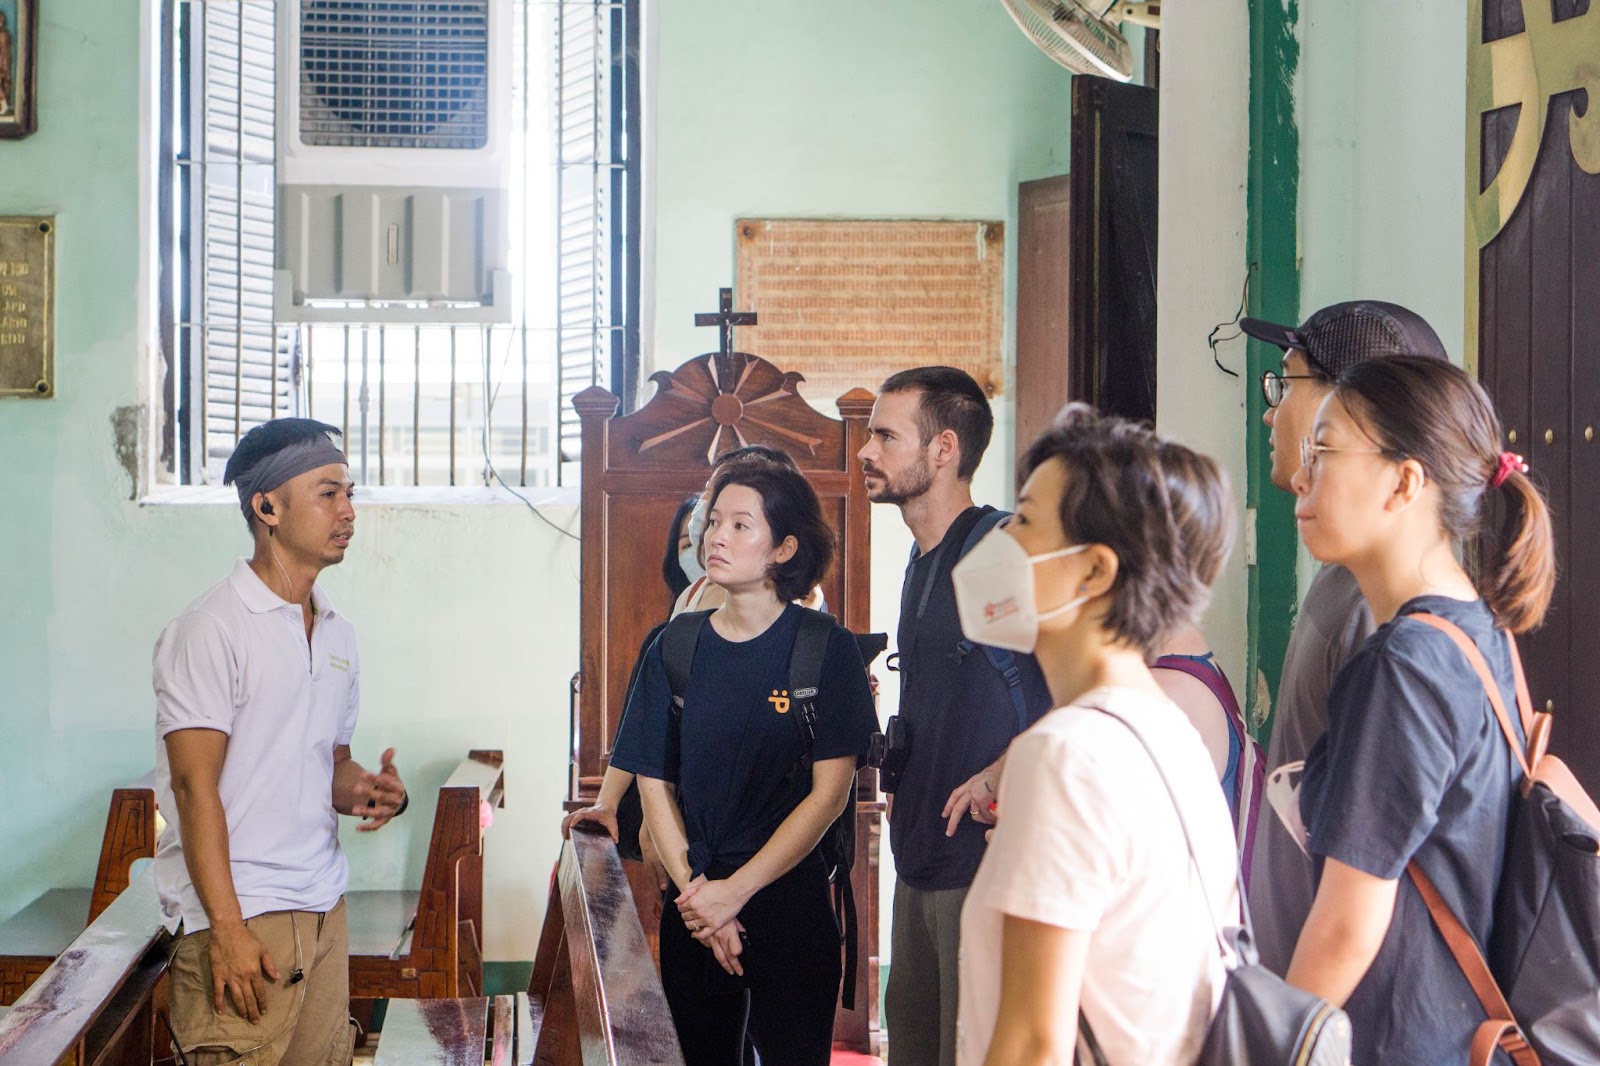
[(392, 160)]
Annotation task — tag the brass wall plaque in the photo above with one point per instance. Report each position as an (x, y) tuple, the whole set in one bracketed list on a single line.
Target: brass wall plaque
[(28, 307)]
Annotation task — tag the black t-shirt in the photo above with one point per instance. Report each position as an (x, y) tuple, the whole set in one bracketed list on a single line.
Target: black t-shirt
[(1414, 766), (737, 760), (958, 713)]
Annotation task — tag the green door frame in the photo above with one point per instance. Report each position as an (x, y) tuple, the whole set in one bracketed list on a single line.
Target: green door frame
[(1272, 207)]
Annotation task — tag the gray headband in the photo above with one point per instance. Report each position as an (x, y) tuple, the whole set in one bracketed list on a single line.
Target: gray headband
[(283, 464)]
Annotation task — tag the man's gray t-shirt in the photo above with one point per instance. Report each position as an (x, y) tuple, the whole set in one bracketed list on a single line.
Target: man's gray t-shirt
[(1334, 622)]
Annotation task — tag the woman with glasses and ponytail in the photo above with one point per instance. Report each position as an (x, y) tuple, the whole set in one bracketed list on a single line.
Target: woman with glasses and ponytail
[(1402, 470), (1094, 909)]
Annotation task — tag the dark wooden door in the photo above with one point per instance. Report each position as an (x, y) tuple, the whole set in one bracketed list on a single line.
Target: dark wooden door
[(1539, 357), (1043, 303), (1112, 356)]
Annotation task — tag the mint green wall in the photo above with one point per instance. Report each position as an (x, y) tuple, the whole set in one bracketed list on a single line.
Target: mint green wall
[(1381, 103), (467, 614)]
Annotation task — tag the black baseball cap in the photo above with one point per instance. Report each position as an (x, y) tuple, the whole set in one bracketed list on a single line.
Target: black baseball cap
[(1339, 336)]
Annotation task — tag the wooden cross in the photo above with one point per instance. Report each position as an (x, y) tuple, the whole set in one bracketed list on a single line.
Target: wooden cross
[(725, 318)]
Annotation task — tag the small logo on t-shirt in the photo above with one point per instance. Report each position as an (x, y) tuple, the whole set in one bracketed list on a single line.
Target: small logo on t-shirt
[(779, 700), (338, 662)]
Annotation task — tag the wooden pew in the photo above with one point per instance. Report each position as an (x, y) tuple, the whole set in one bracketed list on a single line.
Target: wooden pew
[(595, 998), (92, 1006), (31, 939), (428, 944)]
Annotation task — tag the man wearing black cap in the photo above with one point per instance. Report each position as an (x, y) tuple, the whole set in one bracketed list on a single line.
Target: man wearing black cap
[(1334, 619), (256, 688)]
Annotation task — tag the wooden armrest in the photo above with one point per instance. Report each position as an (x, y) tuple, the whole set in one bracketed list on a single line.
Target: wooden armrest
[(483, 770)]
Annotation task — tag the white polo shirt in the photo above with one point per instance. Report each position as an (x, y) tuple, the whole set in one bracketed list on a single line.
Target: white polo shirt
[(237, 661)]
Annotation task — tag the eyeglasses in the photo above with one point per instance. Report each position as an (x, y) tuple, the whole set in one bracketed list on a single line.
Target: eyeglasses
[(1309, 453), (1273, 387)]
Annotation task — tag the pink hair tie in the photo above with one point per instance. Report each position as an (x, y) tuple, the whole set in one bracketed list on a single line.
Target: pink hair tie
[(1509, 461)]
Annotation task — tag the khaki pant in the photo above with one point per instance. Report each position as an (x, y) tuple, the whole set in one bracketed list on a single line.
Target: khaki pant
[(306, 1022), (922, 996)]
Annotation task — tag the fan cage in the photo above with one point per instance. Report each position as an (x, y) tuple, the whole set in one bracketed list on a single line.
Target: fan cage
[(1074, 36), (394, 73)]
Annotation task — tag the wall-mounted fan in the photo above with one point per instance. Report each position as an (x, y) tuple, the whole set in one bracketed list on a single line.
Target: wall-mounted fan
[(1084, 35)]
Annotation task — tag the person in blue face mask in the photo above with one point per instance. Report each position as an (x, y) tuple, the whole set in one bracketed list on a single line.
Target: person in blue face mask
[(1089, 901)]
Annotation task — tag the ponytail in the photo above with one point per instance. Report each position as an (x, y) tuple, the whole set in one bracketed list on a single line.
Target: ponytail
[(1518, 564), (1434, 412)]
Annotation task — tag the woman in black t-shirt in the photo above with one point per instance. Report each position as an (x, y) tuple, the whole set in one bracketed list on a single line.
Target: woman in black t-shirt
[(1403, 467), (737, 798)]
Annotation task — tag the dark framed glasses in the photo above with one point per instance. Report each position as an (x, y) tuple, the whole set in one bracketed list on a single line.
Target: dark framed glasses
[(1273, 387)]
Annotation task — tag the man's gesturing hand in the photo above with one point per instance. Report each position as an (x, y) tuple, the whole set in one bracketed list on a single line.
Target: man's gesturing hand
[(379, 796)]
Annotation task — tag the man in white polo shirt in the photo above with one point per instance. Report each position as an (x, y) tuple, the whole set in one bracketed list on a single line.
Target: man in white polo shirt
[(256, 700)]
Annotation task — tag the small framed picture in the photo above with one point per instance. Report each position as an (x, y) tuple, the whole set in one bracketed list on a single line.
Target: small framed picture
[(19, 33)]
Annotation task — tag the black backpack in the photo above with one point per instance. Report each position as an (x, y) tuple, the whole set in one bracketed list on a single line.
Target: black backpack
[(1537, 982), (838, 844)]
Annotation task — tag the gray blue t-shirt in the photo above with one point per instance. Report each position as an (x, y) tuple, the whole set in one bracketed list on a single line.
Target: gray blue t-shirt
[(1414, 766)]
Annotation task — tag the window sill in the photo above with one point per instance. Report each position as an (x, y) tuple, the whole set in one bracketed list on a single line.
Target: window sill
[(426, 496)]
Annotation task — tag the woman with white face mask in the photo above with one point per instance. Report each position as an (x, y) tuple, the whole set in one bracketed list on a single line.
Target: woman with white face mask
[(1088, 901)]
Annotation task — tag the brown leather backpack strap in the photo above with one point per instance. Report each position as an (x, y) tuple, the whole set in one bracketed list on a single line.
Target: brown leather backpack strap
[(1490, 688), (1505, 1036), (1465, 950), (1524, 700)]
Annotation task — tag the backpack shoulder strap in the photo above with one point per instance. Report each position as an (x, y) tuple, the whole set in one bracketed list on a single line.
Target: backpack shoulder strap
[(805, 668), (1003, 661), (981, 528), (678, 642), (1501, 1029), (1490, 687)]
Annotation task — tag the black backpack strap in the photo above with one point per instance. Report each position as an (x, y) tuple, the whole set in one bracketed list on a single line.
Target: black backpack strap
[(678, 641), (1003, 661), (805, 670), (805, 675)]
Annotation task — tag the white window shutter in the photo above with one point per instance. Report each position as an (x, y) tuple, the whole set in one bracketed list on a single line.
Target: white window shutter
[(250, 363)]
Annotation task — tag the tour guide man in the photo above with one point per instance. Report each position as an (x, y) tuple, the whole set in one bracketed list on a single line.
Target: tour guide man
[(960, 704), (256, 700)]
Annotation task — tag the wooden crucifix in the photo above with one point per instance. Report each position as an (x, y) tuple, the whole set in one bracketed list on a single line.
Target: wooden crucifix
[(725, 318)]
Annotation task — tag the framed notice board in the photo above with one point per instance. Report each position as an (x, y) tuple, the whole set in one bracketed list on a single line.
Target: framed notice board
[(849, 302)]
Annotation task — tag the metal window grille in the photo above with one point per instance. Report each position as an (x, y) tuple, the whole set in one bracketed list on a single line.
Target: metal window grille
[(424, 404)]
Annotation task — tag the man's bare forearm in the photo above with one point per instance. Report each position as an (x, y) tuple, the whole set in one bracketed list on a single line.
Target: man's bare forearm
[(203, 827)]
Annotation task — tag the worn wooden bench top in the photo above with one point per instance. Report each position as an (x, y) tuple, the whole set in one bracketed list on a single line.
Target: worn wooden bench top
[(117, 958), (380, 921), (425, 1032), (46, 926)]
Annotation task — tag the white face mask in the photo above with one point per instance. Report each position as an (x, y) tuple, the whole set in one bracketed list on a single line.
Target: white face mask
[(689, 562), (994, 592)]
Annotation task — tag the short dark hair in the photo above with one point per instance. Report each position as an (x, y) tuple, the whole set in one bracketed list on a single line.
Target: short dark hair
[(790, 506), (950, 400), (1164, 509), (756, 451)]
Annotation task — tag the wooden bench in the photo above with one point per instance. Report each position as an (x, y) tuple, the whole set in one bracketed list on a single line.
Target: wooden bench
[(595, 998), (31, 939), (428, 944), (92, 1006)]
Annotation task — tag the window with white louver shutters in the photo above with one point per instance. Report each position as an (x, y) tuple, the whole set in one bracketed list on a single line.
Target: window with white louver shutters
[(417, 402)]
